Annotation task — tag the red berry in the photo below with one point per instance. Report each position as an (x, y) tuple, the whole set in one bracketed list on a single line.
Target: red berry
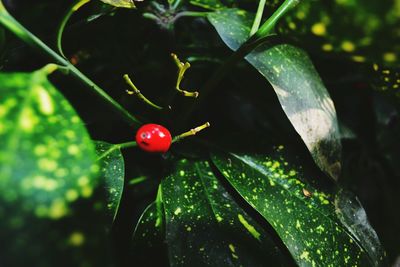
[(153, 138)]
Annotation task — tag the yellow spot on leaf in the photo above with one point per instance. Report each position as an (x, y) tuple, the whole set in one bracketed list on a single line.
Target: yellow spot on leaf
[(327, 47), (305, 255), (47, 164), (46, 105), (76, 239), (58, 209), (177, 211), (357, 58), (348, 46), (301, 15), (318, 29), (83, 181), (249, 227), (87, 191), (73, 149), (44, 183), (389, 57), (28, 120), (298, 225), (40, 150), (292, 25), (71, 195)]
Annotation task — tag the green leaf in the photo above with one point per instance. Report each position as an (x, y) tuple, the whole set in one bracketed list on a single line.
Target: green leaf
[(48, 176), (149, 232), (112, 169), (149, 235), (386, 80), (206, 227), (351, 213), (120, 3), (304, 216), (368, 34), (297, 84), (212, 4)]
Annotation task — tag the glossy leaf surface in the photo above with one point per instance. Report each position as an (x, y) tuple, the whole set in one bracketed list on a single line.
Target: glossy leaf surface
[(112, 169), (304, 216), (206, 227), (120, 3), (297, 84), (48, 175)]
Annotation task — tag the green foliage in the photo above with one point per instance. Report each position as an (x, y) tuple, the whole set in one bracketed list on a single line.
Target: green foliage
[(298, 86), (148, 231), (369, 32), (206, 227), (220, 201), (211, 4), (48, 176), (307, 219), (120, 3), (112, 174)]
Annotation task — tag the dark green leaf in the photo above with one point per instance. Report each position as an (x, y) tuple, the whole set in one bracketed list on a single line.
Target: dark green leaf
[(120, 3), (112, 172), (212, 4), (149, 236), (363, 30), (353, 216), (297, 84), (149, 232), (48, 176), (304, 216), (204, 225)]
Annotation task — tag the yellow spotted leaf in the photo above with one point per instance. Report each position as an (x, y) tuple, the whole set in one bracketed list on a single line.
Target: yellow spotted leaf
[(48, 177), (120, 3), (205, 226), (112, 169), (298, 86), (319, 224)]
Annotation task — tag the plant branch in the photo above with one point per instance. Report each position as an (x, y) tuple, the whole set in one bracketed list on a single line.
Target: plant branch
[(136, 91), (270, 23), (176, 4), (252, 42), (189, 14), (257, 19), (177, 138), (64, 22), (21, 32)]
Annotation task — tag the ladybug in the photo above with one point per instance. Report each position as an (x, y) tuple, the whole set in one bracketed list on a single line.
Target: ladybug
[(153, 138)]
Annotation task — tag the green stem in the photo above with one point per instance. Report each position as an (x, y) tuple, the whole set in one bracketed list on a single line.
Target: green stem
[(64, 22), (136, 91), (255, 40), (115, 147), (270, 23), (176, 4), (137, 180), (257, 19), (159, 206), (189, 14), (20, 31), (126, 145)]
